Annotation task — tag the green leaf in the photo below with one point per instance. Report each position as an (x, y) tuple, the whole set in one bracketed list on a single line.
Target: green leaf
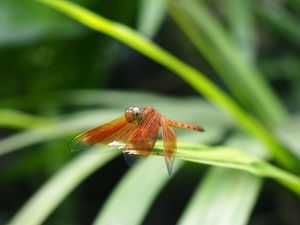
[(289, 134), (55, 190), (215, 121), (241, 21), (223, 197), (82, 167), (17, 26), (239, 74), (131, 199), (209, 199), (16, 119), (51, 131), (196, 79), (284, 22), (151, 15), (231, 157)]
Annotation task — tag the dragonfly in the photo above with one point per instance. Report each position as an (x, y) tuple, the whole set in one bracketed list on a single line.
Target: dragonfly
[(138, 129)]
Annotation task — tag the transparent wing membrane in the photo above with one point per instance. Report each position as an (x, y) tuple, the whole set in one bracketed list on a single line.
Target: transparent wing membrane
[(169, 142), (143, 139), (116, 130)]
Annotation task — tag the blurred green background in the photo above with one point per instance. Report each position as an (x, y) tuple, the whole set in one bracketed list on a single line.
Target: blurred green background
[(60, 78)]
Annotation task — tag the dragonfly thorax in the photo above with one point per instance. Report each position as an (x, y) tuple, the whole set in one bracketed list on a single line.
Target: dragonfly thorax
[(133, 114)]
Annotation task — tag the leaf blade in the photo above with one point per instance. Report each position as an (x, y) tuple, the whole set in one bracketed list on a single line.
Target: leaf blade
[(210, 200), (48, 197), (126, 207), (192, 76), (233, 158)]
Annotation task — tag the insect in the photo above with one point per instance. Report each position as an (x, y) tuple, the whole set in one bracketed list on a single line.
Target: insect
[(139, 129)]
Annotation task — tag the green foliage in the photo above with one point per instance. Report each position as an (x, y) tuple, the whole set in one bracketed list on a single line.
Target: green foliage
[(122, 206), (243, 78), (209, 199), (252, 128), (58, 187), (193, 77)]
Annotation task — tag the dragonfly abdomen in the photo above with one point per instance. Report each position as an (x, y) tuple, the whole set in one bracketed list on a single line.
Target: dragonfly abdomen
[(189, 126)]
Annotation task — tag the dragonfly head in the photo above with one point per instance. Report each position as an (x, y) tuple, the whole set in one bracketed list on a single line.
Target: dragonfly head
[(133, 114)]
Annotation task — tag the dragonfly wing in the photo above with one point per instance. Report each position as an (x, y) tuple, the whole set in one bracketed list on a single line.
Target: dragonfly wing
[(142, 141), (117, 130), (169, 142), (144, 137)]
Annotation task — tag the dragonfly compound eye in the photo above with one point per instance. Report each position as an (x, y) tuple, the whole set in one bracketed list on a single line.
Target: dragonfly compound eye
[(133, 114)]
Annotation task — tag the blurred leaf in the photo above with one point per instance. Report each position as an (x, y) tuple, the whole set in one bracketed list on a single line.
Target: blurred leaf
[(196, 79), (51, 131), (207, 116), (247, 144), (122, 207), (15, 119), (209, 199), (58, 187), (64, 126), (289, 134), (220, 199), (224, 196), (130, 207), (55, 190), (151, 15), (18, 26), (119, 100), (294, 4), (240, 17), (281, 20), (284, 69), (36, 164), (243, 78)]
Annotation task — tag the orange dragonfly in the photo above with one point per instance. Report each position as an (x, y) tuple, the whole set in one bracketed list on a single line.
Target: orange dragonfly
[(138, 128)]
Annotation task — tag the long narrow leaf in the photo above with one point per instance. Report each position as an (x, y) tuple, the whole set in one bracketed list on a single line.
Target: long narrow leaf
[(43, 202), (17, 119), (241, 20), (151, 16), (289, 134), (281, 20), (239, 74), (215, 121), (133, 196), (231, 157), (196, 79), (209, 199), (228, 194), (54, 130)]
